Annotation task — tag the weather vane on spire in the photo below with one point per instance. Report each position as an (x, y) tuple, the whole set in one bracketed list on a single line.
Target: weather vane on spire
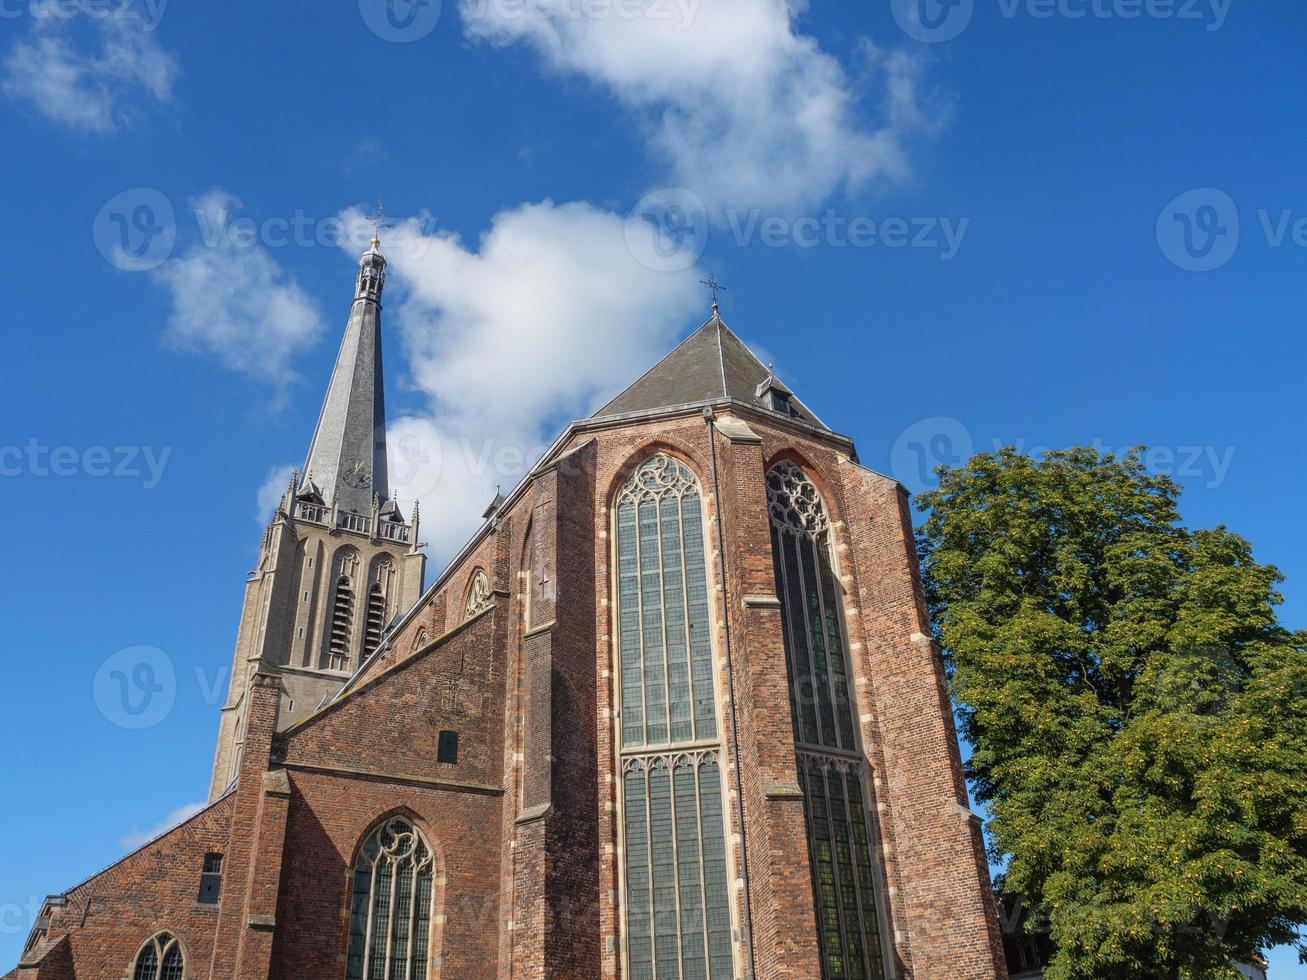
[(378, 221), (712, 283)]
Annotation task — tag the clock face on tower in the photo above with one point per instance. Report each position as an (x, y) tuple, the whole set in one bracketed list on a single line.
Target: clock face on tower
[(358, 474)]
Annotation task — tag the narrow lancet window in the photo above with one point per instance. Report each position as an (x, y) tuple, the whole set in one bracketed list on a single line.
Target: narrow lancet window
[(833, 772), (676, 909)]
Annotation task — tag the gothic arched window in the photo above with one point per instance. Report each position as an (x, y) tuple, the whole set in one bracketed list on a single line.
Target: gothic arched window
[(342, 623), (376, 620), (390, 909), (160, 959), (420, 640), (340, 633), (478, 596), (677, 906), (832, 770), (383, 577)]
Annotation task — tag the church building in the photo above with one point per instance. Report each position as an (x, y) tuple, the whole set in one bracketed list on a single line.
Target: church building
[(673, 712)]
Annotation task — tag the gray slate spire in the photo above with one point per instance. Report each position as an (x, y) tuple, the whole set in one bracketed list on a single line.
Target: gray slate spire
[(347, 457)]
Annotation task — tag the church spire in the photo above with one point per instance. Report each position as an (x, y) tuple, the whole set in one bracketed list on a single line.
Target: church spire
[(347, 457)]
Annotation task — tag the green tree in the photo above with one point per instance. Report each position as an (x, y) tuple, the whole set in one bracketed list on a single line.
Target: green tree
[(1138, 714)]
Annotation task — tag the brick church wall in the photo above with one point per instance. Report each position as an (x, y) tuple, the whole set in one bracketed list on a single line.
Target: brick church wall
[(525, 825), (108, 917)]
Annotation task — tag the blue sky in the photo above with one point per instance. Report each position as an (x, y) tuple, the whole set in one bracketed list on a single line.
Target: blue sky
[(955, 232)]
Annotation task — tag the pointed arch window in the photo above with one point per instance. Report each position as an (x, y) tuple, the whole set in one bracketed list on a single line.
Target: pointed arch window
[(383, 575), (676, 908), (160, 959), (478, 596), (376, 620), (342, 623), (833, 772), (390, 908)]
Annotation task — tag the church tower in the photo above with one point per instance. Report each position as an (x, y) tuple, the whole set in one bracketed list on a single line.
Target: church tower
[(338, 560)]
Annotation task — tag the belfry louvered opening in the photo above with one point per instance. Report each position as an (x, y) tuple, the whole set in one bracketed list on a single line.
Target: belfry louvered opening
[(342, 623), (676, 906), (833, 771)]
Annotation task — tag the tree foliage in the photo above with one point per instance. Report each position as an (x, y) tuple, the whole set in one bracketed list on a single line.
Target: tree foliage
[(1138, 714)]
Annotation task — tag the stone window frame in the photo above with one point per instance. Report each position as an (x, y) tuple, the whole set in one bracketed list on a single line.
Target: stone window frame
[(431, 863), (670, 752), (161, 950), (479, 596)]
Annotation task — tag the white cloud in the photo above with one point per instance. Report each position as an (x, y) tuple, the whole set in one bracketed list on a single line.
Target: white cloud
[(274, 485), (231, 300), (538, 324), (137, 838), (745, 110), (88, 73)]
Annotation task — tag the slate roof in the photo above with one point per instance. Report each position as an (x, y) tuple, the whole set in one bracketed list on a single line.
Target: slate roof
[(347, 457), (711, 364)]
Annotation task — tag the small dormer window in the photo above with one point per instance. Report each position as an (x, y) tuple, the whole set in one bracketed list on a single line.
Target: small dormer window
[(774, 395), (779, 402)]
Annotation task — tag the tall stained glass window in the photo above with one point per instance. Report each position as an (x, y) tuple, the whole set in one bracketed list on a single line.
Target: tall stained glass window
[(832, 768), (674, 860), (390, 909)]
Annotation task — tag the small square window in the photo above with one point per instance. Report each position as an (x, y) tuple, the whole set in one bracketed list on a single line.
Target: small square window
[(210, 879), (448, 749)]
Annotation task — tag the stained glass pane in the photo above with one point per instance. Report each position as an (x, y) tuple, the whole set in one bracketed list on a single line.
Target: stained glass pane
[(817, 643), (173, 967), (716, 894), (694, 964), (696, 575), (629, 627), (638, 900), (147, 964), (655, 660)]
